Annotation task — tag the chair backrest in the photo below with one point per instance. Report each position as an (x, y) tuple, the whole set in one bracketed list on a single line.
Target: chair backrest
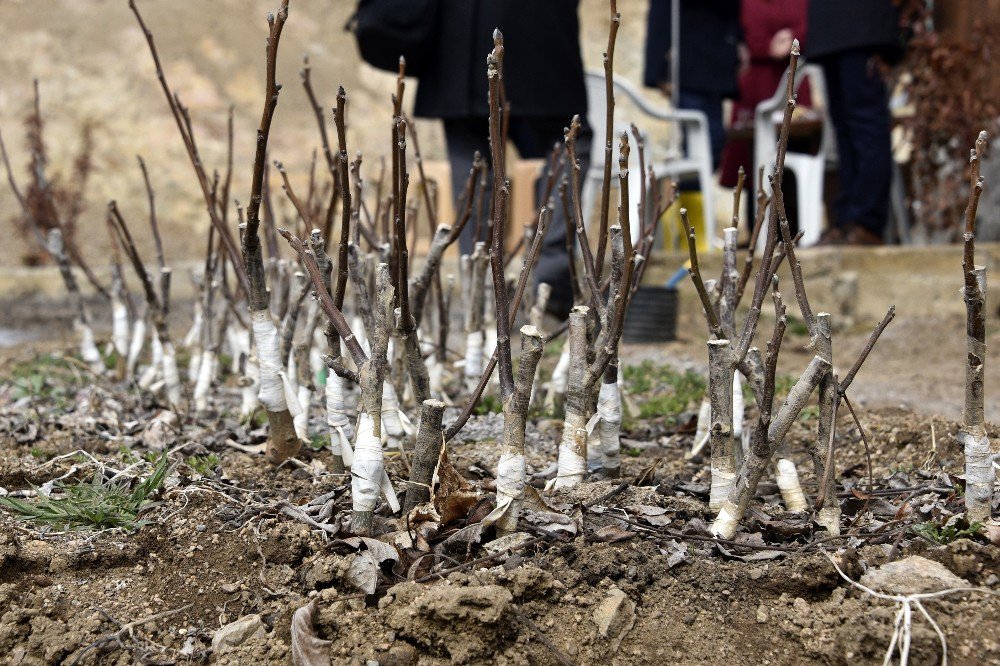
[(764, 115), (597, 111)]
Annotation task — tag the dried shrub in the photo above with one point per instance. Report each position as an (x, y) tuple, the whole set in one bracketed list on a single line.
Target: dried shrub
[(954, 94)]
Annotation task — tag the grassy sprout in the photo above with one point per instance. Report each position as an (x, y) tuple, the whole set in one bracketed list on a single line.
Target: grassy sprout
[(945, 534), (93, 505), (204, 465)]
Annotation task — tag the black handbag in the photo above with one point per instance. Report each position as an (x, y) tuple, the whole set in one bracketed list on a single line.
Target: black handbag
[(388, 29)]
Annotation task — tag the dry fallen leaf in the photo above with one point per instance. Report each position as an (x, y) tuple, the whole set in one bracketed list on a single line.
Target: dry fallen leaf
[(452, 495), (308, 649), (380, 550), (551, 521), (610, 534), (645, 510), (363, 572)]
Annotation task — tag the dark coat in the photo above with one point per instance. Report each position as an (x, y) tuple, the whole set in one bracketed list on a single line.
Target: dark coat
[(543, 70), (710, 33), (843, 25)]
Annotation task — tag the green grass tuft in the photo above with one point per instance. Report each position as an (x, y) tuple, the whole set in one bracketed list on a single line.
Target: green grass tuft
[(942, 535), (661, 390), (487, 404), (204, 465), (93, 505)]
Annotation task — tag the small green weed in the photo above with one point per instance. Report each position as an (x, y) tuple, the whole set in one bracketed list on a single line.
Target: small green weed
[(661, 390), (204, 465), (809, 413), (555, 347), (487, 404), (258, 419), (45, 376), (950, 531), (93, 505), (797, 326), (126, 455)]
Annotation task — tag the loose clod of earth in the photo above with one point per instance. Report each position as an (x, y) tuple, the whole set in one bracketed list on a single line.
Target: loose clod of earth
[(192, 502)]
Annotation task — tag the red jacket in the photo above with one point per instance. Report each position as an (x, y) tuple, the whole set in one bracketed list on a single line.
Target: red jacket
[(760, 21)]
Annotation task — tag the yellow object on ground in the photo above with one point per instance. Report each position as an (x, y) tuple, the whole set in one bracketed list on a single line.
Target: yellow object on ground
[(673, 230)]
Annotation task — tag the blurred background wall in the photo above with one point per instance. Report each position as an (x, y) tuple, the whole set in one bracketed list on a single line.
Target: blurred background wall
[(94, 70)]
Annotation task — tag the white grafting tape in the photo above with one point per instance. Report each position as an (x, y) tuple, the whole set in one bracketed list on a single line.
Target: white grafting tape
[(194, 365), (722, 484), (725, 523), (788, 484), (594, 448), (609, 408), (392, 424), (291, 393), (271, 392), (738, 406), (473, 358), (203, 381), (194, 333), (979, 472), (88, 349), (171, 378), (368, 476), (571, 465), (155, 367), (336, 407), (510, 485), (301, 420), (119, 325), (135, 345)]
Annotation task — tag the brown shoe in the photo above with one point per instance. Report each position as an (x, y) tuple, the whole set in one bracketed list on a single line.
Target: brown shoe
[(832, 236), (858, 235)]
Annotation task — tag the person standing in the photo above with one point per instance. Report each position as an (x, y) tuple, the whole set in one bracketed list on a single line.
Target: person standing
[(544, 83), (709, 37), (769, 26), (849, 39)]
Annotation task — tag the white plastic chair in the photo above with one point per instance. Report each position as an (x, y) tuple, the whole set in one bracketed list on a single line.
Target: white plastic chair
[(809, 169), (696, 161)]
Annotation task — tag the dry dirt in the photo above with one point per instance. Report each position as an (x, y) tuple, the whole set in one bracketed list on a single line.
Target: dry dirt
[(630, 579)]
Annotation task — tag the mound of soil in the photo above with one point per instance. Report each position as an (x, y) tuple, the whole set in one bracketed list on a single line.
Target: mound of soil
[(615, 571)]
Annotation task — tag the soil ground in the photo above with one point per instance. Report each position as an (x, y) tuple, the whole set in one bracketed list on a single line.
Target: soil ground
[(630, 578)]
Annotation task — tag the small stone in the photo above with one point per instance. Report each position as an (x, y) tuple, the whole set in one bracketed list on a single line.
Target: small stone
[(238, 632), (762, 616), (615, 615), (912, 575), (200, 528), (229, 588)]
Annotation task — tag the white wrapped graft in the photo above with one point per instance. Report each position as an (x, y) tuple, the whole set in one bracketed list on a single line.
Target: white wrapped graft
[(368, 475), (788, 484), (153, 370), (171, 378), (271, 392), (510, 487), (473, 359), (135, 345), (341, 428), (88, 348)]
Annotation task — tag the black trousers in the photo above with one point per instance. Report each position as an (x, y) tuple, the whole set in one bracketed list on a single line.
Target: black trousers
[(860, 114), (534, 139)]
